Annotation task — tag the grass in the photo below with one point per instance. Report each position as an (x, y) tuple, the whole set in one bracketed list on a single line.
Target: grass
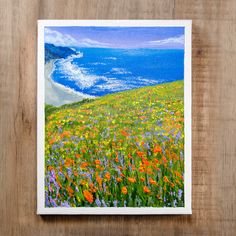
[(119, 150)]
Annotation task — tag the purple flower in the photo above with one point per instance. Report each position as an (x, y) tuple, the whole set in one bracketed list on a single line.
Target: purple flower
[(178, 136), (51, 179), (147, 146), (137, 144), (115, 203), (53, 203), (47, 203), (130, 168), (56, 185), (98, 202), (52, 173), (180, 193), (61, 174), (69, 171), (175, 202), (88, 175), (104, 186), (65, 204), (103, 203), (148, 134), (60, 130)]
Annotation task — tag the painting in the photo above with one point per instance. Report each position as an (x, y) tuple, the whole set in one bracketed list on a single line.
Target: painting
[(114, 117)]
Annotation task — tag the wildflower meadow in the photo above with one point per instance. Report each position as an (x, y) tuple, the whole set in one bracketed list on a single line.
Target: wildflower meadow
[(124, 149)]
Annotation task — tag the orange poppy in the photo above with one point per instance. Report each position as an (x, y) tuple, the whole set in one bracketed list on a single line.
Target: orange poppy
[(50, 167), (157, 149), (52, 141), (165, 179), (124, 133), (70, 190), (141, 169), (108, 176), (120, 167), (142, 179), (131, 180), (146, 189), (129, 156), (88, 196), (77, 155), (122, 174), (155, 160), (178, 174), (140, 154), (65, 134), (69, 162), (84, 164), (99, 180), (97, 162), (149, 171), (152, 181), (83, 182), (164, 159), (145, 162), (124, 190), (118, 179)]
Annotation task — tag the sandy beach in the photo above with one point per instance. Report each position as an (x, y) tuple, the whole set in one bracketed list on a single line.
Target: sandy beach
[(56, 94)]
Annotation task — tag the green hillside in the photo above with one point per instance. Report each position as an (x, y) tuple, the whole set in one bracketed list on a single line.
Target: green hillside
[(122, 149)]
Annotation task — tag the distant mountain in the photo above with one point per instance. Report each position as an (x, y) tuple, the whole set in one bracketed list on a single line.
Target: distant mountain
[(55, 52)]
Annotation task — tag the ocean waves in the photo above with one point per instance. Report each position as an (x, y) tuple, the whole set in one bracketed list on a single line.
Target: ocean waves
[(99, 72), (57, 94), (75, 73)]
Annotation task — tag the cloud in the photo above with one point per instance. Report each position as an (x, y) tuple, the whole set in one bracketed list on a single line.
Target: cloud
[(91, 43), (59, 39), (169, 42)]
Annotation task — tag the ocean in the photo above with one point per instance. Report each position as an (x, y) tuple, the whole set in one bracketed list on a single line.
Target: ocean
[(101, 71)]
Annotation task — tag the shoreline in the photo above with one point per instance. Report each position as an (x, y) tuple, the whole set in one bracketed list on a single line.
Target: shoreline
[(56, 94)]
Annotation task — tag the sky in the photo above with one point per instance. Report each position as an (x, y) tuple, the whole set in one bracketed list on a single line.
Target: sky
[(116, 37)]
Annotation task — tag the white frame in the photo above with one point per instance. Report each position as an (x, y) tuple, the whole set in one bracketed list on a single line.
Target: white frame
[(41, 209)]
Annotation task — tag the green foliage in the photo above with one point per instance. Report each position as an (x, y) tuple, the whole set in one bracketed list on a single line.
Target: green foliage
[(49, 109)]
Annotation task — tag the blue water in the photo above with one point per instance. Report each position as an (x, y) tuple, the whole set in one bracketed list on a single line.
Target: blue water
[(99, 71)]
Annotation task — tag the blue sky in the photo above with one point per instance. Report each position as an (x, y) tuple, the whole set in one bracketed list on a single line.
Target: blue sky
[(116, 37)]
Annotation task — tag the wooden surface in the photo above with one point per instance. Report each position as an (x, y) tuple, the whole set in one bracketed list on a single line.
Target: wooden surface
[(214, 117)]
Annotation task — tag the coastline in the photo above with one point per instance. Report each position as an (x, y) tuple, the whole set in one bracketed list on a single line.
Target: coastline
[(56, 94)]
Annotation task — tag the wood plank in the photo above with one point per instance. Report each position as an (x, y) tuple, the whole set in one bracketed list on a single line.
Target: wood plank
[(214, 117)]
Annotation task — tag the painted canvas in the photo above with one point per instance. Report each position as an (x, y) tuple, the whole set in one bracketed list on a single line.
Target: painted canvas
[(114, 117)]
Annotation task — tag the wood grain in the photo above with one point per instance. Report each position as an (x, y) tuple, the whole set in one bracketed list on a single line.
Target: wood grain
[(214, 117)]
